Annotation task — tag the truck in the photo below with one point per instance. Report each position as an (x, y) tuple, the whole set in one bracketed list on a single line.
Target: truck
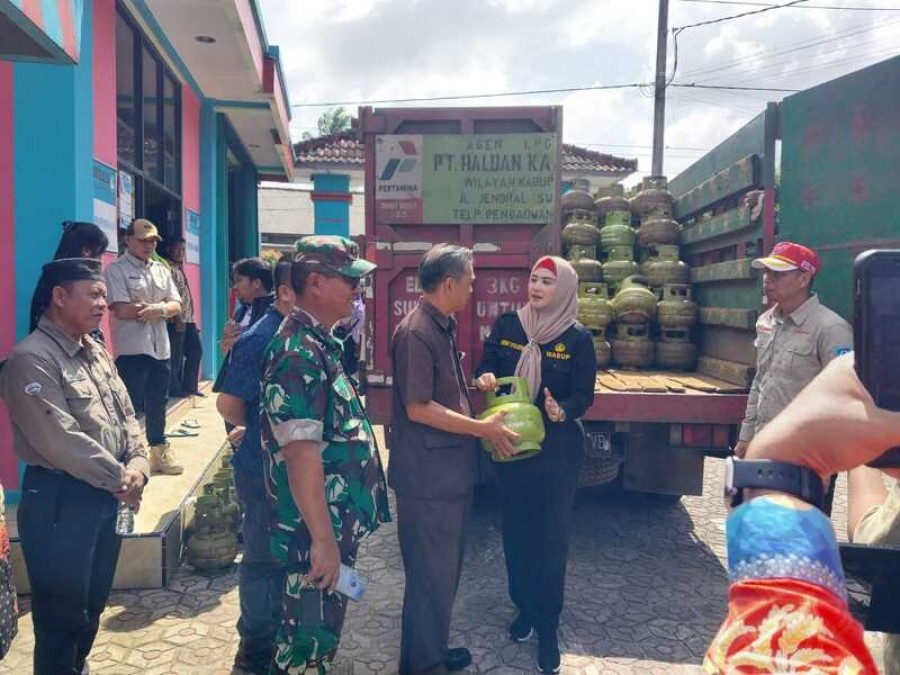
[(835, 148), (489, 179)]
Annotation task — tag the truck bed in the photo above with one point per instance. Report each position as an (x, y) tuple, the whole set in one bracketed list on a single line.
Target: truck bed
[(665, 396)]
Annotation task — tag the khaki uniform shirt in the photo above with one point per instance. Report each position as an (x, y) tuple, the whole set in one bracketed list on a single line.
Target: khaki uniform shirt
[(790, 352), (129, 279), (881, 527), (69, 409)]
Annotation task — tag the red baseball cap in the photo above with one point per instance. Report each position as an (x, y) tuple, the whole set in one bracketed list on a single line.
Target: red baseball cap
[(787, 256)]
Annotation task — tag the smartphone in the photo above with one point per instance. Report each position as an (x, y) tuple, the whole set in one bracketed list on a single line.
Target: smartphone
[(350, 584), (873, 585), (876, 332)]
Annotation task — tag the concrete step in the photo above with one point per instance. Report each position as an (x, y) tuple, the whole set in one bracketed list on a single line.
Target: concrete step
[(152, 553)]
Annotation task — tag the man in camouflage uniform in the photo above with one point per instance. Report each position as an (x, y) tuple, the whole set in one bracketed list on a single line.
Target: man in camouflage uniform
[(324, 475)]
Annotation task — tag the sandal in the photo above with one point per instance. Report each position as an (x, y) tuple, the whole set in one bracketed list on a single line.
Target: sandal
[(190, 424), (182, 433)]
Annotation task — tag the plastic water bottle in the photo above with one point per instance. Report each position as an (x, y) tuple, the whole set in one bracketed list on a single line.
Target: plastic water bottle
[(124, 519)]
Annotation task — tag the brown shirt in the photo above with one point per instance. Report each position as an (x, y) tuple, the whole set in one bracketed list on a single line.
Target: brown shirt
[(69, 409), (428, 463)]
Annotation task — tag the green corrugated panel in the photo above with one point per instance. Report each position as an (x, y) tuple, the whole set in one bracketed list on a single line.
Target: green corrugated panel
[(729, 270), (739, 177), (725, 316), (841, 173), (734, 220), (732, 295)]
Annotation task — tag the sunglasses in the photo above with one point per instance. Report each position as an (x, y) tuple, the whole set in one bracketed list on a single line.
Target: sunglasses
[(353, 282)]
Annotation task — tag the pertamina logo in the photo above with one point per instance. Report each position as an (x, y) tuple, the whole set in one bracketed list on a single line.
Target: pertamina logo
[(404, 164)]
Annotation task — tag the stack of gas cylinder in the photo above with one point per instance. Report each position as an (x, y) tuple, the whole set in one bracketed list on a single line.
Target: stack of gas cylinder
[(581, 237), (217, 516), (618, 297)]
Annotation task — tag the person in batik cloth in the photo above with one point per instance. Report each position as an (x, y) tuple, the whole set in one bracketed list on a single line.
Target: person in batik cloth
[(323, 473), (787, 605)]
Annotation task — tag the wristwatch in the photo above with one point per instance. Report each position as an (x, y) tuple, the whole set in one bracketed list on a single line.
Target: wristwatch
[(766, 474)]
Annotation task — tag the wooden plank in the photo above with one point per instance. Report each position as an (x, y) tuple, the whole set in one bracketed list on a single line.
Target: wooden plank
[(692, 382), (739, 177), (736, 373), (667, 385), (729, 222), (732, 318), (609, 381), (729, 270), (633, 382), (672, 385)]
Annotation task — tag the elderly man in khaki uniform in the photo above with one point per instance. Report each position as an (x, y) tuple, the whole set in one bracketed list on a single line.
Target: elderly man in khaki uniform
[(795, 339), (142, 296), (74, 426)]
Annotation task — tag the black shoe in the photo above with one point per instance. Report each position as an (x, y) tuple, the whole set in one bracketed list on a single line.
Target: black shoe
[(257, 664), (198, 394), (548, 654), (457, 658), (521, 629)]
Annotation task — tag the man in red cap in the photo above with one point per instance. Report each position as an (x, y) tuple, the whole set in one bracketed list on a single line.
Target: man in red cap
[(795, 338)]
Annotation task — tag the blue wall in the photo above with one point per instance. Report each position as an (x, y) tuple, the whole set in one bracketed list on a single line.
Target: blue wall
[(54, 147), (331, 217)]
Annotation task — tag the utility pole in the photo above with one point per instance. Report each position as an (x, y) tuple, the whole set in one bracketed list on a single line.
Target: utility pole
[(659, 97)]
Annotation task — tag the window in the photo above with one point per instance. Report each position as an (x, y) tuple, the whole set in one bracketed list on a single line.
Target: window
[(125, 113), (148, 108), (148, 128), (151, 126), (171, 136)]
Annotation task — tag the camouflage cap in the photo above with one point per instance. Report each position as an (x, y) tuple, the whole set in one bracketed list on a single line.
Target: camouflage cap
[(337, 254)]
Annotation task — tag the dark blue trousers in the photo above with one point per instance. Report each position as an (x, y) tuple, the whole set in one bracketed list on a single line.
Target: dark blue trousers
[(261, 576), (67, 529)]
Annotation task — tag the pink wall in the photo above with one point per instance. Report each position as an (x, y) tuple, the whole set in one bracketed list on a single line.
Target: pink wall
[(8, 465), (190, 181), (105, 81), (245, 11), (190, 149)]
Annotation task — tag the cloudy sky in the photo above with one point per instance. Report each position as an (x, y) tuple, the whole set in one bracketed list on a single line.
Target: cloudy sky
[(367, 50)]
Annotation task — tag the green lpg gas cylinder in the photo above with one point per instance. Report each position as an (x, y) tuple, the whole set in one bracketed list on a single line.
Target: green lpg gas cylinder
[(522, 416), (634, 303), (594, 310)]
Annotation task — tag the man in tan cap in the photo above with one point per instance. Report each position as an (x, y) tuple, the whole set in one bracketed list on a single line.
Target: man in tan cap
[(795, 338), (142, 295)]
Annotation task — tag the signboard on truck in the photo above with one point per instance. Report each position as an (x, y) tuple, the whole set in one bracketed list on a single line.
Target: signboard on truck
[(484, 178)]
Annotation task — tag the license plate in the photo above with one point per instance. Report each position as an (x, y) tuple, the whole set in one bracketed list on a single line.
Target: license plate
[(598, 444)]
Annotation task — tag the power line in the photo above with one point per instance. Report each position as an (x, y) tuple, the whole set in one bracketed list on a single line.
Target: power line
[(768, 8), (792, 47), (697, 85), (633, 85), (771, 6), (459, 97)]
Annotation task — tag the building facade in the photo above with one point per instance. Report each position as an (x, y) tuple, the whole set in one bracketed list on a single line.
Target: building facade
[(116, 109)]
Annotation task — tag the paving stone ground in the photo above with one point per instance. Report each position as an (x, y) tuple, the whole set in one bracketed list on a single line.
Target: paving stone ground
[(646, 592)]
